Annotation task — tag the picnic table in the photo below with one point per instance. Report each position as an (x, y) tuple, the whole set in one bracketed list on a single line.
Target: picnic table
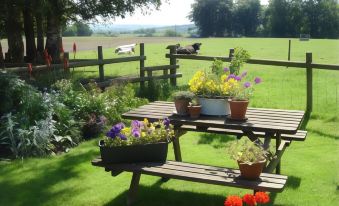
[(266, 124)]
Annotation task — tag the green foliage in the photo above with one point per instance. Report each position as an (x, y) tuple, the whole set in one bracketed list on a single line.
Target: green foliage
[(217, 67), (171, 33), (183, 95), (246, 151), (240, 57), (156, 90)]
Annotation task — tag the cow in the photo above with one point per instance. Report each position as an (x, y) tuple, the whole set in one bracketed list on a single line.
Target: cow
[(125, 49), (189, 49)]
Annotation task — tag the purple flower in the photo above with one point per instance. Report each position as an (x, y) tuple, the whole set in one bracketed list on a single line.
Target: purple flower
[(136, 132), (226, 69), (237, 78), (257, 80), (166, 122), (122, 137), (247, 84), (136, 124), (110, 134), (117, 128), (243, 74), (231, 76)]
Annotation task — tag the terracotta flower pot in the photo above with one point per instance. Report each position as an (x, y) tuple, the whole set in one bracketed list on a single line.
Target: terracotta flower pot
[(194, 111), (181, 106), (251, 171), (238, 108)]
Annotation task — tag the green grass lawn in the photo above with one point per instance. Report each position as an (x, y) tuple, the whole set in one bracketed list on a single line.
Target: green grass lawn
[(312, 166)]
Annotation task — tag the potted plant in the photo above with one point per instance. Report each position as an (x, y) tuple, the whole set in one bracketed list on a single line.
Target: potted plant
[(251, 157), (93, 126), (240, 97), (213, 87), (181, 101), (141, 142), (194, 109)]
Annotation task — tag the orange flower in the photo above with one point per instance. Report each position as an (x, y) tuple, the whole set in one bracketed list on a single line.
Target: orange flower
[(262, 197), (249, 199), (233, 201)]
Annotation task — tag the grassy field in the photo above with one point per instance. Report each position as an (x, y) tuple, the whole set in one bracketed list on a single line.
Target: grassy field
[(312, 166)]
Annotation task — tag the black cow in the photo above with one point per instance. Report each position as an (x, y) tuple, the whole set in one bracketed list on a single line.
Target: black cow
[(189, 49)]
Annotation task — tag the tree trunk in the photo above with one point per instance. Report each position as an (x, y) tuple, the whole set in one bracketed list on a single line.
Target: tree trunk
[(14, 31), (40, 36), (31, 51), (2, 63), (54, 39)]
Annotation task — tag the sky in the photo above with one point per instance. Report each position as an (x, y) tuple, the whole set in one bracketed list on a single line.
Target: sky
[(173, 13)]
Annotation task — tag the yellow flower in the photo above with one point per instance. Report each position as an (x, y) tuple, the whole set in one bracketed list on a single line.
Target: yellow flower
[(143, 134), (126, 131), (146, 122)]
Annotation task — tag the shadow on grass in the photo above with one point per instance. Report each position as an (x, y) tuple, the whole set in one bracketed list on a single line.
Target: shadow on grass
[(324, 134), (39, 189), (157, 196), (217, 140), (292, 182)]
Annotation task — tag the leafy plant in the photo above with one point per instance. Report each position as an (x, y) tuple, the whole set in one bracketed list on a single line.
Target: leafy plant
[(246, 151), (140, 132), (183, 95), (239, 58)]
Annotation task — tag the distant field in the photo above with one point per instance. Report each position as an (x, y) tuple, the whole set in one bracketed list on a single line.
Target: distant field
[(282, 88)]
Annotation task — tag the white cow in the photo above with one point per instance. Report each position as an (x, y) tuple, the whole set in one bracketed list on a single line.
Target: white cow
[(125, 49)]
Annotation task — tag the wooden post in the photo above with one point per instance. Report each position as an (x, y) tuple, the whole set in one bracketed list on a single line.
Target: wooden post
[(133, 188), (231, 54), (289, 50), (173, 61), (309, 77), (66, 68), (101, 66), (277, 145), (142, 65)]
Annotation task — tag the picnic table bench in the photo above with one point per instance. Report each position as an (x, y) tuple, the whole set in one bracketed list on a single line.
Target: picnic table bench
[(280, 125), (194, 173)]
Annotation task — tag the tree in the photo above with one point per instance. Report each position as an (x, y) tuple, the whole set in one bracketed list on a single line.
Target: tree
[(212, 17), (246, 17), (83, 29), (31, 51)]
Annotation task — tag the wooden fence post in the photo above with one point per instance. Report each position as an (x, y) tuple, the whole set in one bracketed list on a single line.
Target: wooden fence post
[(142, 65), (101, 66), (289, 50), (173, 61), (231, 54), (309, 77)]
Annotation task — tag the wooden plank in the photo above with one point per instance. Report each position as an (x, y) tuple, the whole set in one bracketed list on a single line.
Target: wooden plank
[(133, 189), (160, 77), (275, 162), (162, 67), (309, 82), (101, 66), (203, 178), (142, 64), (251, 116)]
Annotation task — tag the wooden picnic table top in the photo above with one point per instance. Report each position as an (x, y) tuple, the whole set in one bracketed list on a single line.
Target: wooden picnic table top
[(259, 119)]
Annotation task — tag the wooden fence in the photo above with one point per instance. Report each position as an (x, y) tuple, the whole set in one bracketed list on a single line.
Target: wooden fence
[(146, 73), (308, 64)]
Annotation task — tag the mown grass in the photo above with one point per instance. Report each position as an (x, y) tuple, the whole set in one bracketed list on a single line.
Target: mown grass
[(312, 166)]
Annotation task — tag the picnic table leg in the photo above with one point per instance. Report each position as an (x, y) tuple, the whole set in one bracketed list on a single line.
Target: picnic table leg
[(133, 188), (277, 144), (176, 146)]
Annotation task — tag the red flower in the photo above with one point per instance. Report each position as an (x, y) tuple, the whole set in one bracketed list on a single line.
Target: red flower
[(74, 49), (262, 197), (30, 69), (233, 201), (249, 199)]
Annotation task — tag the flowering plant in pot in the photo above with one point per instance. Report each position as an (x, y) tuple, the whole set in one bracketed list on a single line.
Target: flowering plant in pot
[(251, 157), (182, 100), (141, 142), (241, 95), (194, 108), (213, 87)]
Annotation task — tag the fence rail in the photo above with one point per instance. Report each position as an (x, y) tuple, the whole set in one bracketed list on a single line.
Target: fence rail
[(146, 73), (307, 64)]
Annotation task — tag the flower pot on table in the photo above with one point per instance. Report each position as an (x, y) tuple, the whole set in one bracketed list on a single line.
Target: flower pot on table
[(251, 171), (214, 106), (152, 152), (181, 106), (238, 109), (194, 111)]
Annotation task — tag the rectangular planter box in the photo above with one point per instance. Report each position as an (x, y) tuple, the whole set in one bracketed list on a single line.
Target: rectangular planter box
[(155, 152)]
